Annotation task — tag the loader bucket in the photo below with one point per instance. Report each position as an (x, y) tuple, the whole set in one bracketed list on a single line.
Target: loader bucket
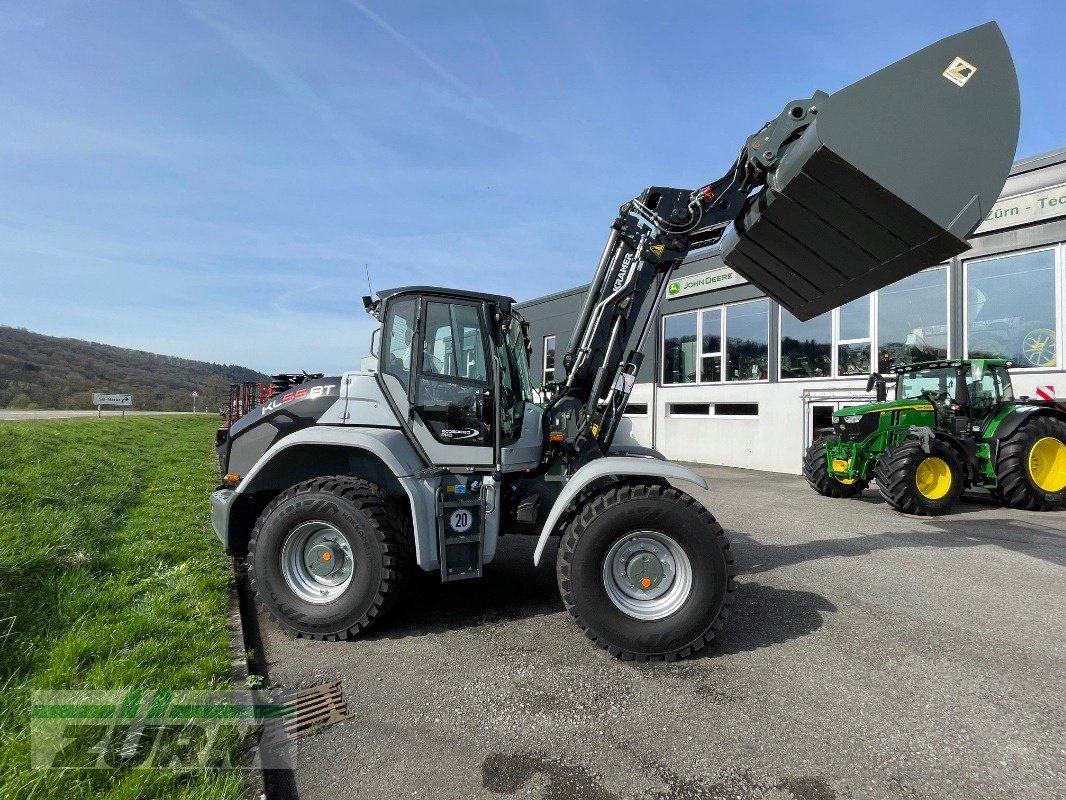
[(892, 176)]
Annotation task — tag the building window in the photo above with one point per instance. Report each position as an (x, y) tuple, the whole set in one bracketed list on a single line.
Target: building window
[(549, 359), (736, 409), (806, 347), (912, 320), (747, 327), (636, 410), (853, 338), (689, 409), (1010, 308), (679, 348), (715, 344)]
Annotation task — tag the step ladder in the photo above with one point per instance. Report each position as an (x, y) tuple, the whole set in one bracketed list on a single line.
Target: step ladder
[(460, 528)]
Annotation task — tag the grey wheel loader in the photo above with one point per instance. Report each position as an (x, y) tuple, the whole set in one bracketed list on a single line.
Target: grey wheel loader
[(336, 489)]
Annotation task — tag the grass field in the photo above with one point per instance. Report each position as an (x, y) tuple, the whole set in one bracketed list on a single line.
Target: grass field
[(109, 563)]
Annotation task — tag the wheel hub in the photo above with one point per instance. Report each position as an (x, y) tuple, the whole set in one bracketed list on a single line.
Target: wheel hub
[(645, 571), (647, 575), (1047, 464), (316, 561), (933, 478)]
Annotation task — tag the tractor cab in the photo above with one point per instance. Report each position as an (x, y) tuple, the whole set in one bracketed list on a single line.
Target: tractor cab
[(959, 391)]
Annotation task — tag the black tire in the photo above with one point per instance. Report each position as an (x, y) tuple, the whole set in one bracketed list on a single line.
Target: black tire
[(379, 533), (816, 471), (900, 483), (1018, 487), (613, 515)]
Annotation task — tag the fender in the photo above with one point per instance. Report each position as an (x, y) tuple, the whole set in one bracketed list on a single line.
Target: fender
[(388, 445), (1018, 414), (601, 468), (384, 443)]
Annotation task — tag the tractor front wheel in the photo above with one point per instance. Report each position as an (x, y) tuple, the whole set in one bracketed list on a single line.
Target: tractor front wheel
[(1031, 467), (646, 572), (329, 556), (816, 471), (918, 482)]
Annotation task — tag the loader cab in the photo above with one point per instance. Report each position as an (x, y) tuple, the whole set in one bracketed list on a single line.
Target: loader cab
[(455, 366)]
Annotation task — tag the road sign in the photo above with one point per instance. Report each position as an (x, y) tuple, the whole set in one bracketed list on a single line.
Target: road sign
[(100, 399)]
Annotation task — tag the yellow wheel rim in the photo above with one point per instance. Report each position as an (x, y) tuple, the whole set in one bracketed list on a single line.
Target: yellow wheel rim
[(933, 478), (1047, 464)]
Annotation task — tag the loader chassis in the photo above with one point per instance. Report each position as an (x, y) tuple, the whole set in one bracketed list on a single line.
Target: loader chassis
[(424, 459)]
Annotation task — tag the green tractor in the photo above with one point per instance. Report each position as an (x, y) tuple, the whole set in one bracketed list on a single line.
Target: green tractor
[(953, 424)]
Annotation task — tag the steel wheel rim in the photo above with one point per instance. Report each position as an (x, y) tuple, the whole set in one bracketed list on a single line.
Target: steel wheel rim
[(632, 556), (1047, 464), (933, 478), (306, 569)]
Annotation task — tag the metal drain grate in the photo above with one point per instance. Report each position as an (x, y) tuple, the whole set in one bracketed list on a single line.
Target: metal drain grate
[(315, 707)]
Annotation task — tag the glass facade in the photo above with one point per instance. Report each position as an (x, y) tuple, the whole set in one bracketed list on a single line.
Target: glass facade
[(1010, 308), (806, 347), (693, 342), (912, 320)]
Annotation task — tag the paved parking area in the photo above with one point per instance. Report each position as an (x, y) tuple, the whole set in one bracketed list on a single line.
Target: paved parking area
[(868, 655)]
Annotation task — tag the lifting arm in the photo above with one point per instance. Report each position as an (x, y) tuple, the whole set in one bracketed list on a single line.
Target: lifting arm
[(651, 236)]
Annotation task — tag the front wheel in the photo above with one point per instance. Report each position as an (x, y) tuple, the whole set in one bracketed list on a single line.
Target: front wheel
[(816, 471), (646, 572), (918, 482), (329, 556)]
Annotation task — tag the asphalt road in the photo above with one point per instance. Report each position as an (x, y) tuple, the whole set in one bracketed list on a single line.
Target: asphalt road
[(868, 655), (7, 415)]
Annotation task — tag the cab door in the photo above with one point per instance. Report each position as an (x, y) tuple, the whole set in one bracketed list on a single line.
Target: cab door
[(435, 363)]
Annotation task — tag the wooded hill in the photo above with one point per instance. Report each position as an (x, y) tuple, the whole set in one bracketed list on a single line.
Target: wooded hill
[(38, 371)]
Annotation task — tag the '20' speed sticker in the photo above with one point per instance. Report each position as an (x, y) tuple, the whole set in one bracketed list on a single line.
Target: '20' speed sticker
[(461, 520)]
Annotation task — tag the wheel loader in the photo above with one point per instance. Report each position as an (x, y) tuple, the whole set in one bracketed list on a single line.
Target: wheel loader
[(337, 489), (952, 424)]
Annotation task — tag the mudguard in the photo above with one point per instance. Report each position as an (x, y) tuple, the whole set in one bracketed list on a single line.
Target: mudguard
[(601, 468)]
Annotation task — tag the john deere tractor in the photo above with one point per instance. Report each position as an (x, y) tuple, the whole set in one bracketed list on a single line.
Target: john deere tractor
[(952, 424)]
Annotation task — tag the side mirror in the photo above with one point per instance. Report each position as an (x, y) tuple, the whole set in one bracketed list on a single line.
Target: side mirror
[(872, 381)]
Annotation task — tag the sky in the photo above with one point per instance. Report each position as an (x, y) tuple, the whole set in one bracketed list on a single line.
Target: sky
[(214, 179)]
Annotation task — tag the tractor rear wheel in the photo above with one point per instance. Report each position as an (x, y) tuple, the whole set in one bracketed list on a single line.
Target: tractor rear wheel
[(1031, 467), (646, 572), (329, 556), (816, 471), (916, 482)]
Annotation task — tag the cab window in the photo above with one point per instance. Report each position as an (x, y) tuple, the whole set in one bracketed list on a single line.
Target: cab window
[(452, 387), (398, 335)]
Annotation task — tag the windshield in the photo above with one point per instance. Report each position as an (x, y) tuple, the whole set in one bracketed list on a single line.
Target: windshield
[(935, 379), (515, 389)]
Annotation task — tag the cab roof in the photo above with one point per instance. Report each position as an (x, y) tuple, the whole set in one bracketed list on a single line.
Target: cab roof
[(503, 301), (952, 362)]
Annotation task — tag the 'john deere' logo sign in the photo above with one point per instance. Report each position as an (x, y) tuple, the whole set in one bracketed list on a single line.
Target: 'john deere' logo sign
[(703, 282)]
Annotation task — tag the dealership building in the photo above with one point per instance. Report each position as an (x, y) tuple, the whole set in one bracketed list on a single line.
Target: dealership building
[(731, 378)]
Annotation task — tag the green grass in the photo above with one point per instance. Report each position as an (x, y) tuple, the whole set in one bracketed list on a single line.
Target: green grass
[(108, 560)]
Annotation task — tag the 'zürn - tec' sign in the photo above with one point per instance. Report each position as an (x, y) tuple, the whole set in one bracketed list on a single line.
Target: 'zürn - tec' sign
[(703, 282)]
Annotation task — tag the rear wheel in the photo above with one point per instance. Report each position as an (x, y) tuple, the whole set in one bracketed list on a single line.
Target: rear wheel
[(1031, 467), (330, 556), (916, 482), (816, 471), (646, 572)]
